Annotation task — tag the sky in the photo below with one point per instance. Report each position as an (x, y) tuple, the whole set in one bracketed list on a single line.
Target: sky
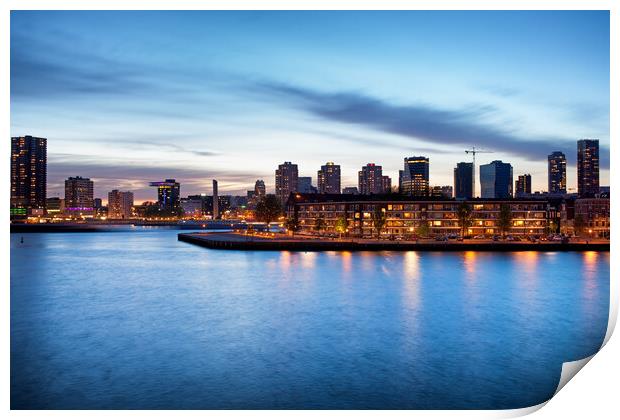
[(129, 97)]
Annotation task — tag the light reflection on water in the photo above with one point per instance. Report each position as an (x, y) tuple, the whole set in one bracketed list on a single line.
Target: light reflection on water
[(140, 320)]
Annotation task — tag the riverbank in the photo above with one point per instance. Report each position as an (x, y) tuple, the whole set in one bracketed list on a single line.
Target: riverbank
[(235, 241), (115, 225)]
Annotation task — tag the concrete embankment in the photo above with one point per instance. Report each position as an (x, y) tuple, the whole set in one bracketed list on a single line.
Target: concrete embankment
[(234, 241)]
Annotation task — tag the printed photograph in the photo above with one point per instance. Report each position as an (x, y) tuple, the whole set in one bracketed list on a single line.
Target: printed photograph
[(306, 210)]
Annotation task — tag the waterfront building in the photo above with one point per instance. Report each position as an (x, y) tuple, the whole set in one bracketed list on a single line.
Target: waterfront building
[(587, 168), (414, 179), (350, 190), (120, 204), (168, 195), (193, 206), (370, 179), (328, 179), (464, 180), (304, 185), (28, 176), (496, 180), (287, 180), (259, 189), (406, 215), (444, 191), (54, 206), (79, 201), (523, 185), (595, 214), (556, 173)]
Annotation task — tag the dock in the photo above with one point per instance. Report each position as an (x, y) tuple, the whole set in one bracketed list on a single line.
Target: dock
[(239, 241)]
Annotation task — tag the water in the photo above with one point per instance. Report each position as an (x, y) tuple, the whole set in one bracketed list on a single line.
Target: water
[(140, 320)]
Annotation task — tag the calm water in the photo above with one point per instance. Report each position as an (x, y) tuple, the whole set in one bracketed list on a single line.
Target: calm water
[(140, 320)]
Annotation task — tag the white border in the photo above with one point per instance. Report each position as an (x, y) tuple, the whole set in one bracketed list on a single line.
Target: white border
[(598, 384)]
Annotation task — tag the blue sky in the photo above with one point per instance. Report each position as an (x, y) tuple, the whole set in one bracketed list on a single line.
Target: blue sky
[(131, 97)]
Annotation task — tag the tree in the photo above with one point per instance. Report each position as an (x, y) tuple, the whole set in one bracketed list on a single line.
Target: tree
[(505, 218), (423, 230), (319, 224), (465, 216), (378, 219), (292, 224), (579, 224), (341, 225), (268, 209), (552, 227)]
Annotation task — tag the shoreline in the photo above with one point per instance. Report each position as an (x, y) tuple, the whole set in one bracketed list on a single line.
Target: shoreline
[(233, 241)]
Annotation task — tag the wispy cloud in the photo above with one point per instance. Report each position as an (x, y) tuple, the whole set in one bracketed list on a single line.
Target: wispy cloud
[(416, 121)]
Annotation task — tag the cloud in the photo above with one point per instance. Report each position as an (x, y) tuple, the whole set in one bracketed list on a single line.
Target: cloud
[(418, 121), (109, 175)]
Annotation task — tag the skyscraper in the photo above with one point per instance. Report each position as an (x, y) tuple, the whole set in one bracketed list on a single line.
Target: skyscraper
[(120, 204), (414, 179), (587, 168), (328, 179), (556, 173), (523, 185), (216, 201), (464, 180), (496, 180), (79, 197), (259, 189), (286, 180), (28, 176), (370, 179), (168, 195)]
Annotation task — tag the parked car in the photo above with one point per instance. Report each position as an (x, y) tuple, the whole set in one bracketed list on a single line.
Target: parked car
[(441, 238), (480, 237), (496, 238)]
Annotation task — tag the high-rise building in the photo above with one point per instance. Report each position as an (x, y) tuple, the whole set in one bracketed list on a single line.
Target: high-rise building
[(168, 195), (79, 199), (304, 185), (464, 180), (386, 183), (286, 180), (216, 201), (328, 180), (28, 176), (523, 185), (496, 180), (259, 189), (370, 179), (556, 173), (587, 168), (120, 204), (414, 180)]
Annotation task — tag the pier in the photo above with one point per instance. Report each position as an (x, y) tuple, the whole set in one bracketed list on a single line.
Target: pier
[(277, 242)]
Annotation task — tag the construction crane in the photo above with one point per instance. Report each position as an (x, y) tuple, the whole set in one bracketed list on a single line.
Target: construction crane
[(473, 152)]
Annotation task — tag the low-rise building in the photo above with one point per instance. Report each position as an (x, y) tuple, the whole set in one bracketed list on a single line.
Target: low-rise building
[(594, 213), (404, 216)]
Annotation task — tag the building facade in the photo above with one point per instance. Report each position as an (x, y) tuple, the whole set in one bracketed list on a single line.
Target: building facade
[(441, 191), (370, 179), (28, 176), (304, 185), (595, 214), (414, 179), (120, 204), (168, 195), (556, 173), (79, 200), (464, 180), (587, 168), (328, 179), (350, 190), (287, 180), (405, 217), (259, 189), (523, 185), (496, 180)]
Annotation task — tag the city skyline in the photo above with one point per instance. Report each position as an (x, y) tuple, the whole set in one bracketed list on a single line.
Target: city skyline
[(381, 87)]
